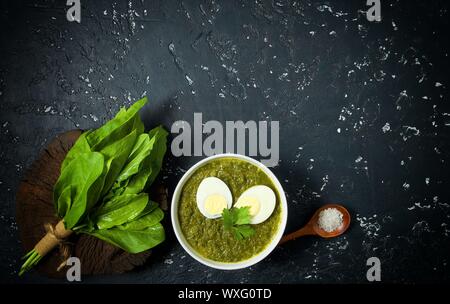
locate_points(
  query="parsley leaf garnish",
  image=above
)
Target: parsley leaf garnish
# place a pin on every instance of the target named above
(236, 221)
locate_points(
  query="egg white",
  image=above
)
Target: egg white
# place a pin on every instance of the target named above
(213, 187)
(261, 200)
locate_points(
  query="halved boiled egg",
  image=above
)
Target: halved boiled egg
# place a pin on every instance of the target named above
(213, 195)
(261, 202)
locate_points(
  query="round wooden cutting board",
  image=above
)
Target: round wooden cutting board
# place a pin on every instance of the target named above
(34, 208)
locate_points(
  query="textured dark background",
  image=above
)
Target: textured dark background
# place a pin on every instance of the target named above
(363, 110)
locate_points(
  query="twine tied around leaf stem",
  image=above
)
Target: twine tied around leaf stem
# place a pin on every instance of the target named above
(55, 236)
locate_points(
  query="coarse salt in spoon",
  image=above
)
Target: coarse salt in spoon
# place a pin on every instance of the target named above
(328, 221)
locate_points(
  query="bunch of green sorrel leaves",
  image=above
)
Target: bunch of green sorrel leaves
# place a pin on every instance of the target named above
(101, 189)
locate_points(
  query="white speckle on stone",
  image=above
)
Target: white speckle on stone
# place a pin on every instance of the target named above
(386, 128)
(406, 186)
(438, 84)
(94, 118)
(189, 80)
(394, 26)
(283, 76)
(48, 109)
(421, 227)
(344, 246)
(358, 159)
(422, 79)
(413, 129)
(370, 225)
(338, 130)
(105, 12)
(325, 182)
(168, 261)
(172, 47)
(427, 180)
(322, 8)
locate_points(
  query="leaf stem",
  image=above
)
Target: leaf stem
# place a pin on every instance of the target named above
(32, 258)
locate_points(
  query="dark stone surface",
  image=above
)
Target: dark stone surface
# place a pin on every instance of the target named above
(331, 78)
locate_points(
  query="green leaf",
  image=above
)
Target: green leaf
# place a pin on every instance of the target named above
(145, 221)
(243, 231)
(141, 150)
(84, 175)
(114, 203)
(118, 127)
(158, 152)
(151, 165)
(116, 155)
(228, 219)
(236, 216)
(149, 208)
(236, 220)
(121, 210)
(80, 146)
(64, 200)
(133, 241)
(242, 216)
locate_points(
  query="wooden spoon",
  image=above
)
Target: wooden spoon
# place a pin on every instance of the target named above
(312, 228)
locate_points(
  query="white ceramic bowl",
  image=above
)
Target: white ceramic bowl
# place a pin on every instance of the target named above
(221, 265)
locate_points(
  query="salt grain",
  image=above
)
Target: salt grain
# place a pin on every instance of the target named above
(330, 219)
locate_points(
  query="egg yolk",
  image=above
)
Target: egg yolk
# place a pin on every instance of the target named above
(215, 203)
(251, 202)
